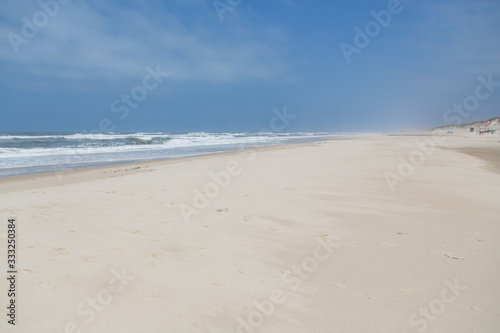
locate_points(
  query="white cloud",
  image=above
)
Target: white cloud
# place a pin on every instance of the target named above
(98, 41)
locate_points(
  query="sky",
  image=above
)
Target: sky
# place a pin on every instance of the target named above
(232, 65)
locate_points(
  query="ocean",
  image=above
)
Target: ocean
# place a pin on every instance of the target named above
(29, 153)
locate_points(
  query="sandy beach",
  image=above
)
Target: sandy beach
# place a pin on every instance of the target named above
(358, 234)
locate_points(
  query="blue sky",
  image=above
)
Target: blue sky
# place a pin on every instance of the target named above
(229, 75)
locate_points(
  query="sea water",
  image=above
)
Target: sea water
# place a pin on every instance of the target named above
(28, 153)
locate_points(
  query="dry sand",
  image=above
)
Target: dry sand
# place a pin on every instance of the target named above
(304, 238)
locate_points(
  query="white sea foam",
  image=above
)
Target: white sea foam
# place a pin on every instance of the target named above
(23, 150)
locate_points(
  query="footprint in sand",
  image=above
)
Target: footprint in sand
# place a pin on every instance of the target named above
(373, 298)
(29, 249)
(405, 290)
(61, 251)
(478, 309)
(340, 285)
(452, 256)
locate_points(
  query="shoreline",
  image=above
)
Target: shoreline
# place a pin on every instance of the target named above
(72, 176)
(129, 162)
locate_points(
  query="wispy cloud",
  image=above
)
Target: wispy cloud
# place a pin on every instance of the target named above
(90, 40)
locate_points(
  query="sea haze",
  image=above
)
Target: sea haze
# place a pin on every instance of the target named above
(28, 153)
